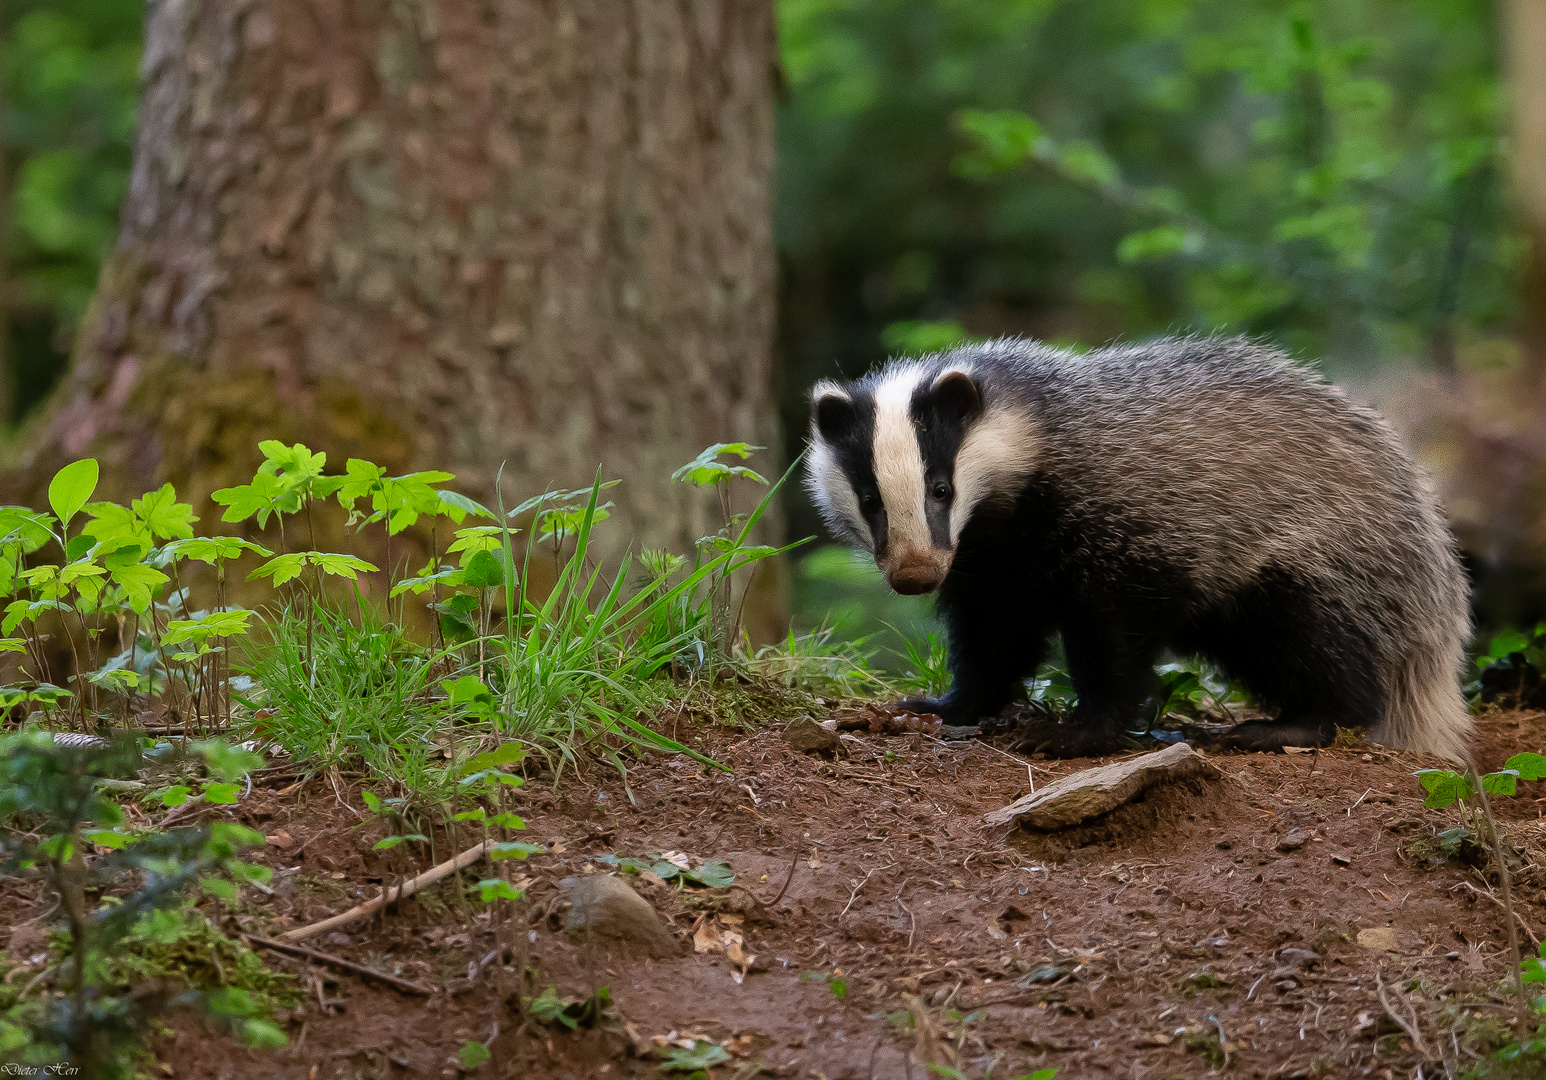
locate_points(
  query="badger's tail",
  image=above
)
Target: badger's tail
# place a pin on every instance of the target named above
(1424, 709)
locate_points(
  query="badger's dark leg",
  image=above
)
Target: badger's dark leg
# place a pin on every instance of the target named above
(994, 645)
(1112, 668)
(1299, 649)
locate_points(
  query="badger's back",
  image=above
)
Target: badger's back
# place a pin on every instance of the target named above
(1223, 460)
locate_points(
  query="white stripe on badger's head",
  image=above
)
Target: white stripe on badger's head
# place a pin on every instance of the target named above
(898, 461)
(902, 459)
(999, 453)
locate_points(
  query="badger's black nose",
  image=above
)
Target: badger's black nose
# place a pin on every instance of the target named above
(914, 580)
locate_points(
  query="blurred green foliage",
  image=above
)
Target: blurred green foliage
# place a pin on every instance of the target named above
(1325, 174)
(71, 84)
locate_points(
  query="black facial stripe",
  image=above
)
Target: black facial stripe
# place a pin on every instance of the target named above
(940, 435)
(855, 454)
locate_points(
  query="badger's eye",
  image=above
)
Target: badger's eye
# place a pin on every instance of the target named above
(869, 502)
(941, 490)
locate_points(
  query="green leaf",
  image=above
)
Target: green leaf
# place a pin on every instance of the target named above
(512, 850)
(458, 507)
(344, 566)
(1529, 766)
(294, 466)
(476, 538)
(1502, 782)
(264, 496)
(360, 480)
(714, 873)
(231, 622)
(221, 794)
(391, 842)
(211, 549)
(504, 754)
(477, 813)
(108, 838)
(281, 569)
(706, 468)
(447, 579)
(465, 691)
(70, 489)
(483, 571)
(1158, 243)
(284, 568)
(472, 1055)
(227, 761)
(175, 796)
(918, 337)
(1003, 140)
(1507, 643)
(163, 515)
(26, 527)
(491, 889)
(140, 583)
(219, 888)
(704, 1054)
(1444, 787)
(13, 644)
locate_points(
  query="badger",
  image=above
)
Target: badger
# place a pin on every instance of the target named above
(1205, 496)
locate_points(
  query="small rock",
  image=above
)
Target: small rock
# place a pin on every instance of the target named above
(1285, 985)
(1342, 860)
(1097, 791)
(607, 906)
(809, 737)
(1302, 959)
(1296, 839)
(1152, 1039)
(1382, 938)
(336, 938)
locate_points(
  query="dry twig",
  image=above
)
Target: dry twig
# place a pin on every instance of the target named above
(407, 986)
(407, 888)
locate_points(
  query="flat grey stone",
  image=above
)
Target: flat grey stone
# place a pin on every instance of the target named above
(807, 736)
(1094, 792)
(607, 906)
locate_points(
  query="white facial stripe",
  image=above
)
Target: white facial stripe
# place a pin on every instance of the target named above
(899, 461)
(828, 388)
(834, 495)
(999, 452)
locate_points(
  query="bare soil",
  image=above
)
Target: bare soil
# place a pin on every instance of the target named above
(1158, 941)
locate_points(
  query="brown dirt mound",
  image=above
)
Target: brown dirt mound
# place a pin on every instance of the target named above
(1171, 938)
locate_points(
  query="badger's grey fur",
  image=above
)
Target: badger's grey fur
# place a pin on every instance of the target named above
(1201, 495)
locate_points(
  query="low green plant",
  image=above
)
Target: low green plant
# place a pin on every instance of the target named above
(549, 1007)
(674, 866)
(58, 827)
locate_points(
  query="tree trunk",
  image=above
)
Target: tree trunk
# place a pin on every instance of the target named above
(1524, 39)
(439, 234)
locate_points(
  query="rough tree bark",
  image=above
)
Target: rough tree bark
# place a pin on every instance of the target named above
(438, 233)
(1524, 39)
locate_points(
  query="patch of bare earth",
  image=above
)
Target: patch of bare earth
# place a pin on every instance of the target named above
(1288, 918)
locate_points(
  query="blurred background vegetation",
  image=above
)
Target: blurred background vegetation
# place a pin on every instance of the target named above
(1330, 176)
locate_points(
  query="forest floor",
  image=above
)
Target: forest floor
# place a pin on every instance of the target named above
(1185, 934)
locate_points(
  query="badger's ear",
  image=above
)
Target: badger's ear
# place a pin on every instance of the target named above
(836, 417)
(956, 395)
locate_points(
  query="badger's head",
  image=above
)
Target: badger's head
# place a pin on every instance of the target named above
(901, 458)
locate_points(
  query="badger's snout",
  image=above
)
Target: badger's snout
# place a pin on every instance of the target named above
(915, 573)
